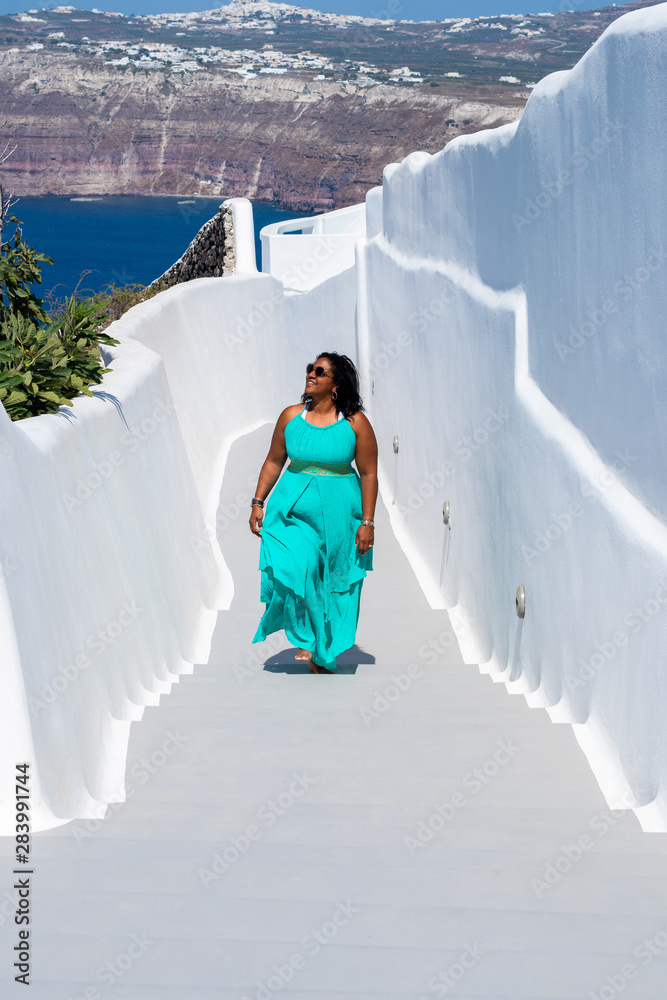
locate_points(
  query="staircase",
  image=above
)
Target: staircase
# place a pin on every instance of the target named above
(404, 829)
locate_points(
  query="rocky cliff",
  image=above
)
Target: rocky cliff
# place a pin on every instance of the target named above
(306, 144)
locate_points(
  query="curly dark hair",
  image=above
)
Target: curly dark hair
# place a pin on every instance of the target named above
(347, 381)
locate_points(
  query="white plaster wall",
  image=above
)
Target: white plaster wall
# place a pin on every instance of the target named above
(111, 571)
(302, 253)
(104, 598)
(320, 320)
(302, 261)
(560, 485)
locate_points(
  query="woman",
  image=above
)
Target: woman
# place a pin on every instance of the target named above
(311, 560)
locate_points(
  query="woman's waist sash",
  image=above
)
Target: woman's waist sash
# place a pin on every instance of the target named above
(320, 468)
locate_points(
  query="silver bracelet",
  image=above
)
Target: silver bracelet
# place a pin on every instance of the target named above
(371, 524)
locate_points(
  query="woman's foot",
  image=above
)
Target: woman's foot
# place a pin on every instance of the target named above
(316, 669)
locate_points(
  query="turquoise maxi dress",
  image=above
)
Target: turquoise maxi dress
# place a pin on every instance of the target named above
(311, 571)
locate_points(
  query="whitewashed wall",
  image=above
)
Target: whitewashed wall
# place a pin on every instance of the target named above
(513, 323)
(111, 571)
(97, 614)
(324, 248)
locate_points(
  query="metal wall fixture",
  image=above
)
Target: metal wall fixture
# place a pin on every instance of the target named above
(446, 515)
(395, 468)
(520, 602)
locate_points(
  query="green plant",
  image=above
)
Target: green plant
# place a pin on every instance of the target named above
(117, 299)
(45, 361)
(19, 269)
(44, 367)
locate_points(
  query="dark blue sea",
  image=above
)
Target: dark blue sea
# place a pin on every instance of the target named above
(117, 239)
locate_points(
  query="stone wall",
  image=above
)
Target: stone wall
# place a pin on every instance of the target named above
(209, 255)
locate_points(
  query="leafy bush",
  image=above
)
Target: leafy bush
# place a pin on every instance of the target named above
(20, 268)
(47, 366)
(45, 361)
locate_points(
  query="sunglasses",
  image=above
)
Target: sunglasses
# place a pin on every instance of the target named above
(319, 371)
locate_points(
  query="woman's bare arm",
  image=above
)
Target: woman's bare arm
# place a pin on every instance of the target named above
(272, 467)
(366, 458)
